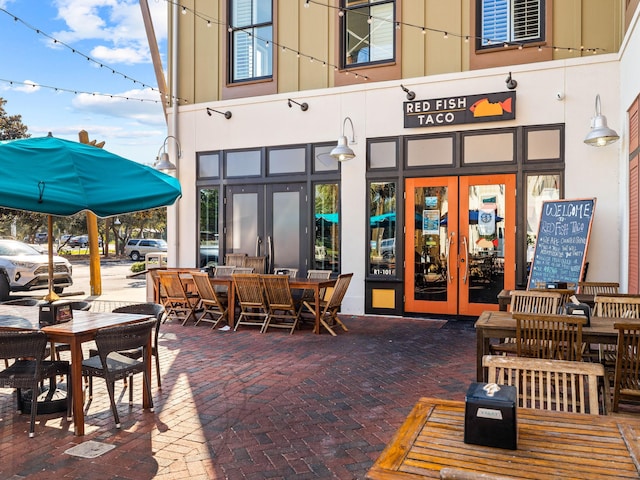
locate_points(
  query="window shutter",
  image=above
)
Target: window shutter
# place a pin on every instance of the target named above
(634, 227)
(495, 16)
(526, 19)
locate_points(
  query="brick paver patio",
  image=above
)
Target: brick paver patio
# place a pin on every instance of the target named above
(245, 405)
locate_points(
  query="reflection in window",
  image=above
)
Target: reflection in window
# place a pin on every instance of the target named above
(368, 31)
(209, 216)
(251, 26)
(382, 228)
(327, 226)
(540, 188)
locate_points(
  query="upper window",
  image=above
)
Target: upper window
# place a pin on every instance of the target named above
(368, 32)
(510, 21)
(250, 40)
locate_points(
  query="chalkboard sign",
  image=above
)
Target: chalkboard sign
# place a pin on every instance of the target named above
(563, 238)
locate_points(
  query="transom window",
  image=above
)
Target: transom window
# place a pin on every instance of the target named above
(250, 39)
(510, 21)
(368, 32)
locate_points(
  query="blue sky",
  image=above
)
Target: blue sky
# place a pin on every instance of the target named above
(108, 31)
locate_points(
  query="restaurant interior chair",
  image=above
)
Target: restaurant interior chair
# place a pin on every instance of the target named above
(559, 385)
(214, 307)
(29, 369)
(552, 337)
(595, 288)
(282, 309)
(251, 299)
(234, 259)
(156, 311)
(329, 308)
(449, 473)
(178, 303)
(259, 264)
(527, 301)
(626, 385)
(112, 365)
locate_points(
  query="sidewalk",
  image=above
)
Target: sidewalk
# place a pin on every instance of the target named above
(245, 405)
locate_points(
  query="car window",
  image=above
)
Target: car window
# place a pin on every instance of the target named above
(132, 242)
(16, 248)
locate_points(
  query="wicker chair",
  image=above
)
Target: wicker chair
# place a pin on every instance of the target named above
(214, 307)
(283, 312)
(27, 350)
(112, 365)
(158, 312)
(250, 297)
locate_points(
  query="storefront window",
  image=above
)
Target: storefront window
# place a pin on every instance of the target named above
(327, 226)
(382, 228)
(209, 221)
(540, 188)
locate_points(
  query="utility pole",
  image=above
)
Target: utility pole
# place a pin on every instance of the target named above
(92, 230)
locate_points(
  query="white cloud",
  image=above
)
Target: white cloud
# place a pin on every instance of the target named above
(116, 24)
(28, 86)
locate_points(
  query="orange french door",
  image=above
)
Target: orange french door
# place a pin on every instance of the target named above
(459, 236)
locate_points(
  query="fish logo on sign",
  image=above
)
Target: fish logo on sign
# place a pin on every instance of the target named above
(485, 108)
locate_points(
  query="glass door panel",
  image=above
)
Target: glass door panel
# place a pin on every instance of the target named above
(487, 241)
(287, 232)
(245, 206)
(431, 231)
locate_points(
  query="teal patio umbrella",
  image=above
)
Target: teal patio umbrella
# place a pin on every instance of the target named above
(61, 177)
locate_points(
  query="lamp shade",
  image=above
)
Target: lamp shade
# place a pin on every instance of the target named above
(600, 134)
(342, 151)
(164, 164)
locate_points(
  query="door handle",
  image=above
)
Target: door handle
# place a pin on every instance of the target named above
(449, 276)
(465, 260)
(269, 254)
(258, 242)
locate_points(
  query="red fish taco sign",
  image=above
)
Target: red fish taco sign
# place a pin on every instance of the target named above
(437, 112)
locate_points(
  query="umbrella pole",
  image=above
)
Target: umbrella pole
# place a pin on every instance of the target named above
(51, 296)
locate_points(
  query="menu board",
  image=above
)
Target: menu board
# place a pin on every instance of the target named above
(563, 238)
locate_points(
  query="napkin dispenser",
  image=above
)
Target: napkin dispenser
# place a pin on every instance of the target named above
(581, 309)
(490, 415)
(52, 313)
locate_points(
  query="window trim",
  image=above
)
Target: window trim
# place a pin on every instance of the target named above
(233, 29)
(510, 42)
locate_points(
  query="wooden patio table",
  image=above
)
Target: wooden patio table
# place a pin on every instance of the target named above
(82, 328)
(551, 445)
(497, 325)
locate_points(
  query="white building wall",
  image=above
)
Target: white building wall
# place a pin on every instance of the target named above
(376, 110)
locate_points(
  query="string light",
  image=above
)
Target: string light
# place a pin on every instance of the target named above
(83, 55)
(77, 92)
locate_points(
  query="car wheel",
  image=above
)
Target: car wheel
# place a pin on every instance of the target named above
(135, 256)
(4, 288)
(58, 290)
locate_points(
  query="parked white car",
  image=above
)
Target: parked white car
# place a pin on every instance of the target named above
(137, 248)
(23, 268)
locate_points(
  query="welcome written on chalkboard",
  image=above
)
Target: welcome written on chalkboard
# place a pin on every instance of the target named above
(563, 239)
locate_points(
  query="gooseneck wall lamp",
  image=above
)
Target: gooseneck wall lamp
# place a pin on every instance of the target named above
(226, 114)
(342, 151)
(163, 163)
(600, 134)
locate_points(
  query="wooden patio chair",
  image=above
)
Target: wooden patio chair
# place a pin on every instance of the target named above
(251, 299)
(243, 270)
(234, 259)
(552, 337)
(223, 270)
(159, 294)
(565, 296)
(283, 312)
(259, 264)
(595, 288)
(558, 385)
(614, 306)
(329, 308)
(178, 303)
(214, 307)
(626, 385)
(527, 301)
